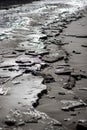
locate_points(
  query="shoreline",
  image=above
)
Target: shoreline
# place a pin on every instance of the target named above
(57, 93)
(56, 81)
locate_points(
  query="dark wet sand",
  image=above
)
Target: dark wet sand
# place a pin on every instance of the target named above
(50, 103)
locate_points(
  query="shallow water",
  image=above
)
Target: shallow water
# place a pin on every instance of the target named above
(27, 20)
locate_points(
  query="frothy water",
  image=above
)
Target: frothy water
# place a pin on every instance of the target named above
(30, 17)
(24, 24)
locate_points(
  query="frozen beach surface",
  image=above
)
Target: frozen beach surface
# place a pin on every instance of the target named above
(24, 30)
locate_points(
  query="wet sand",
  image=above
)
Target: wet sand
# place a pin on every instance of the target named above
(51, 103)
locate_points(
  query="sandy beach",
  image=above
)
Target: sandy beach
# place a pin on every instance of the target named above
(44, 87)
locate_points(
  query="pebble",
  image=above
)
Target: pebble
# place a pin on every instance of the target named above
(84, 45)
(81, 126)
(48, 79)
(51, 97)
(10, 122)
(73, 114)
(67, 119)
(72, 105)
(62, 93)
(70, 83)
(82, 121)
(76, 52)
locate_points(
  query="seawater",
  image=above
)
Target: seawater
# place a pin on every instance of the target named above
(28, 19)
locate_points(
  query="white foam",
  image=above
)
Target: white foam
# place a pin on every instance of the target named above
(21, 17)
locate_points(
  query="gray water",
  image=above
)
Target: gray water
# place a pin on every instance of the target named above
(25, 22)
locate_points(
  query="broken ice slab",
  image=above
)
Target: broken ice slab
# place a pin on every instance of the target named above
(9, 68)
(14, 67)
(3, 91)
(27, 59)
(11, 74)
(11, 55)
(79, 75)
(64, 70)
(48, 79)
(10, 62)
(70, 83)
(4, 79)
(31, 46)
(3, 36)
(51, 58)
(71, 105)
(18, 117)
(30, 63)
(36, 53)
(76, 52)
(20, 49)
(84, 89)
(34, 68)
